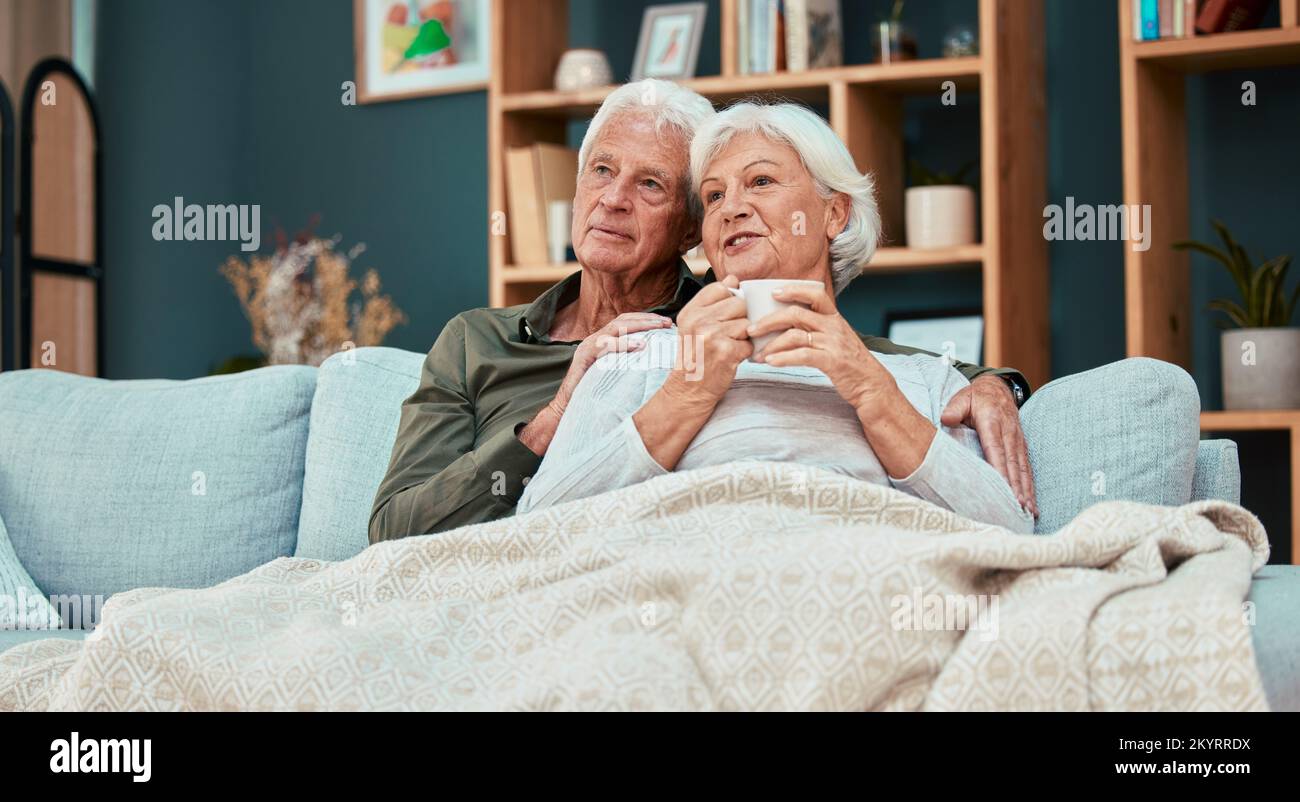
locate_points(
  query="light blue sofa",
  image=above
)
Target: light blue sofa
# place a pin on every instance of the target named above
(106, 486)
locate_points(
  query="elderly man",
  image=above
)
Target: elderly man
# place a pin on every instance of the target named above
(497, 381)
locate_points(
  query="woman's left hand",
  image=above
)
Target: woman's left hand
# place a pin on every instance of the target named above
(821, 338)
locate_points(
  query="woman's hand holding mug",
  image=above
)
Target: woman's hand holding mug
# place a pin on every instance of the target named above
(814, 334)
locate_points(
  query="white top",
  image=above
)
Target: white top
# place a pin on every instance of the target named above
(770, 413)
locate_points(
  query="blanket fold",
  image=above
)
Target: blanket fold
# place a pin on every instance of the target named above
(737, 587)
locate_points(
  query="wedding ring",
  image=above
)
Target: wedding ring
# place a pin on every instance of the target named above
(809, 333)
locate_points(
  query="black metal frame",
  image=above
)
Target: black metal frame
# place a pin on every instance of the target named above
(29, 263)
(9, 306)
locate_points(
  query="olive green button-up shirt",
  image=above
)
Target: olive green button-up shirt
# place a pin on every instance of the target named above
(457, 459)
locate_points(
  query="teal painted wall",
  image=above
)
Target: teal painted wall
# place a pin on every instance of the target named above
(172, 87)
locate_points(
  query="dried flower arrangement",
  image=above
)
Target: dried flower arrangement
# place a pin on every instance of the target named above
(298, 302)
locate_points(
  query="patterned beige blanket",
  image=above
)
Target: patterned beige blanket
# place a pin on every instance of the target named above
(745, 586)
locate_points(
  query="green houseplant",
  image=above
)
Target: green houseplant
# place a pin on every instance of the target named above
(1259, 348)
(939, 208)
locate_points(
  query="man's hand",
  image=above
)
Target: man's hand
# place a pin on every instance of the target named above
(611, 338)
(988, 407)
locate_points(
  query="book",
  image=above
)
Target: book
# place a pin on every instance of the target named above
(766, 36)
(742, 37)
(1219, 16)
(1150, 20)
(813, 34)
(1165, 12)
(536, 175)
(777, 10)
(1189, 17)
(526, 223)
(1176, 26)
(796, 35)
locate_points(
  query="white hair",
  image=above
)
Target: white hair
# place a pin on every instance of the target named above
(670, 105)
(825, 158)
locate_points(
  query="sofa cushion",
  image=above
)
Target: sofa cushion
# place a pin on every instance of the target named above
(112, 485)
(1218, 473)
(354, 419)
(1128, 430)
(8, 640)
(22, 605)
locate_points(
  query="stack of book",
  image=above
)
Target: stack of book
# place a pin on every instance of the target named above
(535, 176)
(788, 35)
(1174, 19)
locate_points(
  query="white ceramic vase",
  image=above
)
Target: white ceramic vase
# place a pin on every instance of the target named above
(940, 216)
(582, 69)
(1261, 368)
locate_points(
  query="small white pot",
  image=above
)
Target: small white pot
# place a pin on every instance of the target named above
(582, 69)
(940, 217)
(1261, 368)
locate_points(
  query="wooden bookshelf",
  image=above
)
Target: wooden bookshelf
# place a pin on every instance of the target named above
(1157, 296)
(1157, 292)
(865, 103)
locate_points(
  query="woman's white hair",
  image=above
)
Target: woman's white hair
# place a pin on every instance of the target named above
(825, 158)
(670, 105)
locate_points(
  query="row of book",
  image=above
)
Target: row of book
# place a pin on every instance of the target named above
(1175, 19)
(789, 35)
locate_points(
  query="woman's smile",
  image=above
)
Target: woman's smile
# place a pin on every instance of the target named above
(740, 242)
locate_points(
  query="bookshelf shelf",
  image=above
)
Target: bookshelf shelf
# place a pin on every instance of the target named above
(1286, 421)
(887, 260)
(1269, 47)
(812, 86)
(902, 260)
(1249, 420)
(865, 106)
(549, 274)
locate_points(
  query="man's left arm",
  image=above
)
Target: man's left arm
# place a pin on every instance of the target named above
(990, 406)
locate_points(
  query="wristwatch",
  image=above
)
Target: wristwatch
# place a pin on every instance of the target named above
(1017, 391)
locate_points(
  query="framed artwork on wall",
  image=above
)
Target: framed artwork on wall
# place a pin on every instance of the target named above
(669, 44)
(413, 48)
(957, 333)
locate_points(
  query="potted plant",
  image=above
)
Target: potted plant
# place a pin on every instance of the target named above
(1261, 357)
(939, 208)
(301, 302)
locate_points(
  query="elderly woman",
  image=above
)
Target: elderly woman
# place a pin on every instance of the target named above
(782, 200)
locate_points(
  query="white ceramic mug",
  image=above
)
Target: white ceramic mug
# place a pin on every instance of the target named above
(759, 302)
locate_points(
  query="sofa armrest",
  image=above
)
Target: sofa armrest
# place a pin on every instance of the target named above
(1218, 474)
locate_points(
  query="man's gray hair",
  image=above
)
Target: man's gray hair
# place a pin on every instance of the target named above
(825, 158)
(670, 105)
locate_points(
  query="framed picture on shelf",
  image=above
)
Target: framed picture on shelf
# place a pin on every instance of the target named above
(412, 48)
(669, 44)
(958, 333)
